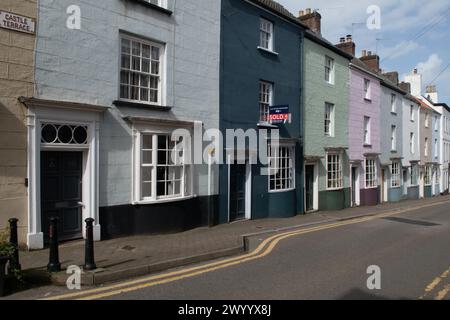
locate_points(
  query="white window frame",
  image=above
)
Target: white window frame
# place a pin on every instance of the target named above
(428, 176)
(414, 175)
(265, 100)
(395, 175)
(436, 146)
(160, 77)
(393, 138)
(427, 120)
(334, 168)
(282, 175)
(367, 128)
(266, 35)
(393, 103)
(159, 3)
(367, 89)
(371, 173)
(412, 114)
(186, 178)
(329, 119)
(329, 70)
(412, 142)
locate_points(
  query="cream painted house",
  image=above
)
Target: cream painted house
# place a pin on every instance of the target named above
(17, 42)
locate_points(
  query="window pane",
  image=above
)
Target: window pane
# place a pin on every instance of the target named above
(126, 46)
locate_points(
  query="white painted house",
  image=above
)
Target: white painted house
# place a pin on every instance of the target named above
(108, 95)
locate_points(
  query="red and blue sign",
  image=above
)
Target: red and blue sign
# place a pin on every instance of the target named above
(279, 114)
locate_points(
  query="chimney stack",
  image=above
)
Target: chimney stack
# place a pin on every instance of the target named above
(432, 94)
(371, 60)
(347, 45)
(415, 79)
(405, 86)
(312, 19)
(392, 76)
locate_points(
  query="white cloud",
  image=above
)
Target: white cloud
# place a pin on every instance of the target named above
(430, 68)
(401, 49)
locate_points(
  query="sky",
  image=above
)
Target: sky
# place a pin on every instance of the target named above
(411, 34)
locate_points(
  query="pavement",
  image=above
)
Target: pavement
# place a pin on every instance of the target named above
(130, 257)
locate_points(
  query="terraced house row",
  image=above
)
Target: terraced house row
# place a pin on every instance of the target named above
(89, 106)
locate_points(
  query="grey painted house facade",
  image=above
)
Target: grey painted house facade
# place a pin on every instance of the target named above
(411, 146)
(391, 182)
(132, 74)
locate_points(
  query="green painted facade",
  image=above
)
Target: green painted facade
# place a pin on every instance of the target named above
(334, 200)
(317, 92)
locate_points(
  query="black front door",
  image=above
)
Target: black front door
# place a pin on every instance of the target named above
(61, 193)
(237, 192)
(309, 187)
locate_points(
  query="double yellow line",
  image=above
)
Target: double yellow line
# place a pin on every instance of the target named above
(440, 295)
(264, 249)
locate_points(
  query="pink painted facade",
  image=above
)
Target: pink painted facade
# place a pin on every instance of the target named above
(359, 108)
(363, 105)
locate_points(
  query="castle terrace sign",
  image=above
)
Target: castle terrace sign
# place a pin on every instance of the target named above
(16, 22)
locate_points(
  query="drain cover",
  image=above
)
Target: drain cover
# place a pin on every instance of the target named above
(415, 222)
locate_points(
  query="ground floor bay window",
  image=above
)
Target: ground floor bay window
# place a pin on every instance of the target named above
(334, 171)
(281, 168)
(428, 175)
(395, 175)
(162, 167)
(371, 173)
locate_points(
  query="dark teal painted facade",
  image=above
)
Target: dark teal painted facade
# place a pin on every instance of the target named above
(243, 65)
(334, 200)
(428, 192)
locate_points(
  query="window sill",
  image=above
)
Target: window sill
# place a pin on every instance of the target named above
(368, 100)
(153, 6)
(282, 191)
(266, 125)
(136, 104)
(331, 84)
(169, 200)
(393, 113)
(335, 189)
(267, 50)
(367, 145)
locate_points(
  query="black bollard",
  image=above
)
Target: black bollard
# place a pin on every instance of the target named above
(53, 265)
(89, 262)
(13, 239)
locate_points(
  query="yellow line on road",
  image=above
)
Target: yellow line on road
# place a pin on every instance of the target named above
(433, 285)
(441, 294)
(258, 253)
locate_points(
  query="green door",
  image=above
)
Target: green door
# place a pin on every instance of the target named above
(237, 192)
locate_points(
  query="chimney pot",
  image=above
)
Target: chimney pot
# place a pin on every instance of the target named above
(342, 40)
(301, 13)
(415, 71)
(364, 53)
(312, 20)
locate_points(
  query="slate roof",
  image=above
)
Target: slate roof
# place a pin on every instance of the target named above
(275, 6)
(324, 42)
(278, 9)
